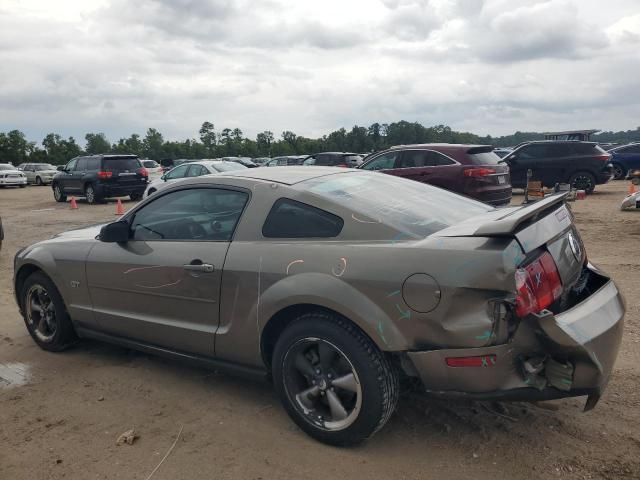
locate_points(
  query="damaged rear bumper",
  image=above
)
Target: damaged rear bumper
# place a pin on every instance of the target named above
(550, 356)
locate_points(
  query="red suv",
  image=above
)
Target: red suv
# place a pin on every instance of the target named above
(472, 170)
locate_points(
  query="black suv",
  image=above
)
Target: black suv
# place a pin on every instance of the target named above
(97, 177)
(581, 164)
(334, 159)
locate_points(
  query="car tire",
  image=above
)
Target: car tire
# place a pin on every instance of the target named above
(618, 171)
(45, 314)
(58, 193)
(583, 181)
(90, 194)
(136, 196)
(333, 381)
(39, 181)
(22, 186)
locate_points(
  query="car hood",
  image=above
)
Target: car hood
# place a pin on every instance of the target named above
(11, 171)
(85, 233)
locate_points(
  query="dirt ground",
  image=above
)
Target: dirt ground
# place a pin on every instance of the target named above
(60, 414)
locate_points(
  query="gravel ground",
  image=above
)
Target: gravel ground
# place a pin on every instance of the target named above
(60, 414)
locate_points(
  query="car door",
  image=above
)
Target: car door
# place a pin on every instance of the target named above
(627, 157)
(30, 172)
(65, 179)
(418, 165)
(525, 158)
(162, 287)
(446, 173)
(557, 164)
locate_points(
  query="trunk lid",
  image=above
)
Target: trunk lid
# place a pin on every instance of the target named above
(544, 225)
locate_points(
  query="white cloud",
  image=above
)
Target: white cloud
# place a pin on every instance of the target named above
(490, 66)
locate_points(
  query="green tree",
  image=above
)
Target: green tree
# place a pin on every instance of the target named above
(264, 141)
(208, 137)
(97, 143)
(152, 144)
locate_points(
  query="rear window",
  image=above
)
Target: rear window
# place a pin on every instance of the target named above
(120, 164)
(483, 156)
(413, 208)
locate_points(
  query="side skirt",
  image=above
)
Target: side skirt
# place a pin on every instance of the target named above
(252, 373)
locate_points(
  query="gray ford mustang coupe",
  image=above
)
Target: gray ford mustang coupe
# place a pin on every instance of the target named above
(336, 284)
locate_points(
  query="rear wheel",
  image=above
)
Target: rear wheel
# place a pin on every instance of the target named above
(58, 193)
(38, 181)
(45, 314)
(583, 181)
(90, 194)
(334, 382)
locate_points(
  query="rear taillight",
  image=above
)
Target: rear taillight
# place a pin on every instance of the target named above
(102, 175)
(538, 285)
(478, 172)
(143, 171)
(605, 158)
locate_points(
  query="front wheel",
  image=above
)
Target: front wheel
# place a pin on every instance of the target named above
(45, 315)
(58, 193)
(583, 181)
(334, 382)
(38, 181)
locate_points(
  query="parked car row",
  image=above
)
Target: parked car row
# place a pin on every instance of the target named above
(10, 176)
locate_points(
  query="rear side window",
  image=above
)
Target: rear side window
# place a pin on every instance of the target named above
(121, 164)
(93, 164)
(559, 150)
(418, 158)
(150, 164)
(586, 149)
(291, 219)
(81, 165)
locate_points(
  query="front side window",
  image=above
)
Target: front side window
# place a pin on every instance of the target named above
(72, 164)
(178, 172)
(291, 219)
(197, 214)
(385, 161)
(533, 151)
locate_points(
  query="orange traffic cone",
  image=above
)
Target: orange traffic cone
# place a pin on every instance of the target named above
(119, 208)
(74, 204)
(632, 189)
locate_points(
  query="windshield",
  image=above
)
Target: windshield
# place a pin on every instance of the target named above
(414, 208)
(227, 166)
(44, 167)
(7, 167)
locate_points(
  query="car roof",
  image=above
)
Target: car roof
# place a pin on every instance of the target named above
(453, 146)
(572, 142)
(287, 175)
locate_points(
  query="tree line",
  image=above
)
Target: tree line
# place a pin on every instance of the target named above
(213, 143)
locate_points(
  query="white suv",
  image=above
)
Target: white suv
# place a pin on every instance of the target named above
(11, 177)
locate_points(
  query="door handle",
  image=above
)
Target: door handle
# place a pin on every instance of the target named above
(199, 267)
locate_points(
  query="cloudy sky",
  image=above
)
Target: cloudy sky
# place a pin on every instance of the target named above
(487, 66)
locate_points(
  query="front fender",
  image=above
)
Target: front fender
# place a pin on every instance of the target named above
(329, 291)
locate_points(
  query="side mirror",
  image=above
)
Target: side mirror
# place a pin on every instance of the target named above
(116, 232)
(163, 178)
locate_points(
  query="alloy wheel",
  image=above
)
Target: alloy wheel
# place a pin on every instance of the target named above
(41, 313)
(90, 195)
(322, 384)
(583, 182)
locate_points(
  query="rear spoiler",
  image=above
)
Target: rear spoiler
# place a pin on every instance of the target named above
(507, 222)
